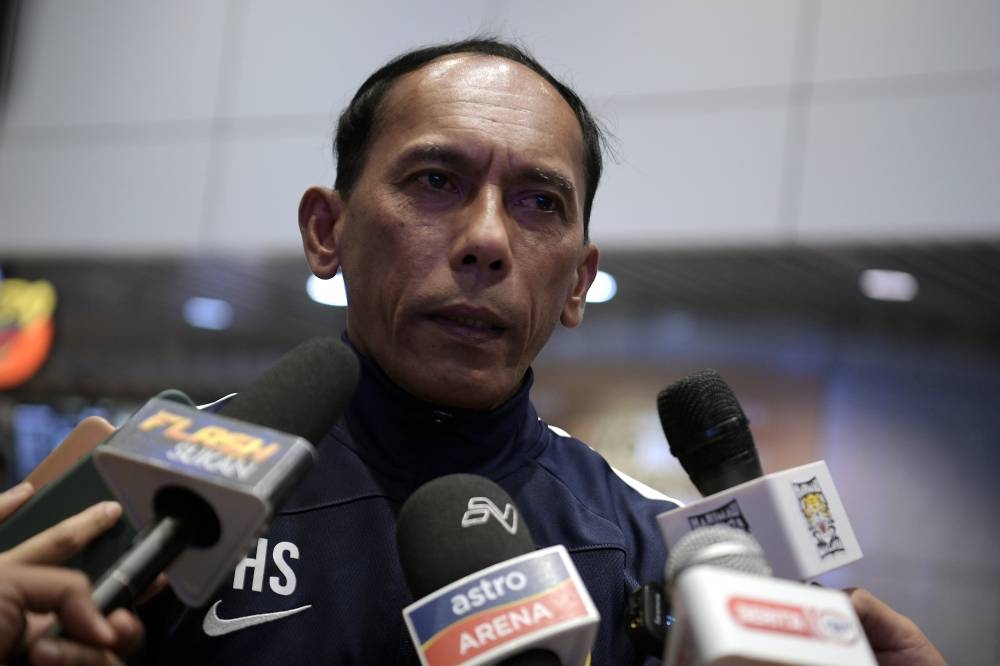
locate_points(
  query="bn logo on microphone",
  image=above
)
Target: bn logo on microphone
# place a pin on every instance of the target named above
(481, 508)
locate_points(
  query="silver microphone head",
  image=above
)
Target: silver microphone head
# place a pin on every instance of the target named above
(720, 546)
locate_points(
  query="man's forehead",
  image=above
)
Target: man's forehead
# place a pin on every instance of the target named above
(474, 77)
(482, 70)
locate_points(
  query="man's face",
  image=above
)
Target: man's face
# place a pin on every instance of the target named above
(462, 241)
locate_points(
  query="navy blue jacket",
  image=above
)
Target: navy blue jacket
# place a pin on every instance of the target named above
(325, 586)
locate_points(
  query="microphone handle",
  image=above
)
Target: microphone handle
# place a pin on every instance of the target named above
(736, 470)
(536, 657)
(138, 567)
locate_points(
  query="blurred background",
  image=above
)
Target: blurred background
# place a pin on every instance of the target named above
(804, 195)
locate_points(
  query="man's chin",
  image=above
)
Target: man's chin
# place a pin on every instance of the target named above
(478, 391)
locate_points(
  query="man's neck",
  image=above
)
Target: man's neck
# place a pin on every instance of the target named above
(411, 441)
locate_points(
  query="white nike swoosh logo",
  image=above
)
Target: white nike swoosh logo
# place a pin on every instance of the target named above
(217, 626)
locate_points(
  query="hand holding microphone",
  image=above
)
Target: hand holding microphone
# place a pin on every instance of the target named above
(33, 596)
(89, 637)
(895, 638)
(66, 538)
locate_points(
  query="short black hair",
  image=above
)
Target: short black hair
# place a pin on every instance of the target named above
(357, 122)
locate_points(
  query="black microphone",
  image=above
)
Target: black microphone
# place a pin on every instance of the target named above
(485, 595)
(708, 432)
(795, 514)
(203, 485)
(710, 435)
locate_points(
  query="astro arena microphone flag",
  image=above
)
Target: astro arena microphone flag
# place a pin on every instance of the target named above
(500, 611)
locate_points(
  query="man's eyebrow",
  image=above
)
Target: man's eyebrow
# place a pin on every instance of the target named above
(550, 177)
(432, 152)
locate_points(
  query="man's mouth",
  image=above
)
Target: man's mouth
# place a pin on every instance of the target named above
(479, 324)
(471, 323)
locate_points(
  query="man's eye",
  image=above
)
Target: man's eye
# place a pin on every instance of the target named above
(436, 180)
(541, 202)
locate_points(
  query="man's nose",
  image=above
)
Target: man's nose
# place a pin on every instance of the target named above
(483, 242)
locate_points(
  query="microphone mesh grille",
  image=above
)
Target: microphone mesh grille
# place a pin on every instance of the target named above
(692, 406)
(304, 393)
(438, 546)
(718, 545)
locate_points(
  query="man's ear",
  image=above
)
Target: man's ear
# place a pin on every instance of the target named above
(319, 212)
(586, 271)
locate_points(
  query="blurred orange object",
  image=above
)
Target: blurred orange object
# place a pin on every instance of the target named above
(26, 329)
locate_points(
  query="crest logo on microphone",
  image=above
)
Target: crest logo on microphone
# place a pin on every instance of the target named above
(481, 508)
(816, 510)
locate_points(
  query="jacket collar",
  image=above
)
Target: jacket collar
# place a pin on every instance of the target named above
(409, 441)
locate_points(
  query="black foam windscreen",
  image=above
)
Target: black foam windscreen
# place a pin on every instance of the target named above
(303, 393)
(707, 431)
(454, 526)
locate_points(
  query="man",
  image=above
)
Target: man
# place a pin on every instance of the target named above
(465, 178)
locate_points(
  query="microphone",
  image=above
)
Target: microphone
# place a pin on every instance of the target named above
(796, 514)
(202, 486)
(708, 432)
(710, 435)
(66, 482)
(485, 595)
(729, 610)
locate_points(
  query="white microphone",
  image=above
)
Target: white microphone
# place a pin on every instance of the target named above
(729, 610)
(485, 596)
(796, 515)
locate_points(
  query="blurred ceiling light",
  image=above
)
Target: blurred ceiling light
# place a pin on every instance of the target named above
(604, 288)
(328, 292)
(886, 285)
(210, 313)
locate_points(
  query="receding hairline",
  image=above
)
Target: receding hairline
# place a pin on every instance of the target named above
(380, 116)
(356, 123)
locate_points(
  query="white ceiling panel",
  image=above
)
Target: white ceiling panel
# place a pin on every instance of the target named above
(903, 169)
(648, 47)
(864, 39)
(698, 178)
(115, 61)
(898, 139)
(259, 196)
(310, 56)
(95, 199)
